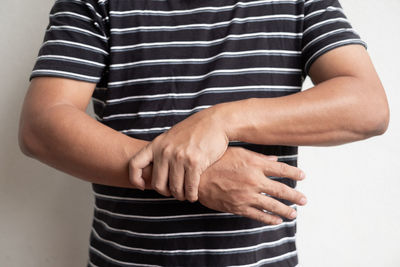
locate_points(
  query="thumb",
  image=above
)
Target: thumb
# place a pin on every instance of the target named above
(139, 161)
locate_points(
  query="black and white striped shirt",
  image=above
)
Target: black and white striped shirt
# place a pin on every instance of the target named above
(156, 62)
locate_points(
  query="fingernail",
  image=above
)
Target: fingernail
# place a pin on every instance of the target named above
(302, 175)
(303, 201)
(293, 214)
(278, 221)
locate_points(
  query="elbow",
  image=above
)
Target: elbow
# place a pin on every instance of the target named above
(26, 141)
(381, 124)
(376, 120)
(372, 109)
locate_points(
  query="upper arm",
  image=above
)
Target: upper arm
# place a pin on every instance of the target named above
(331, 48)
(45, 92)
(72, 58)
(361, 85)
(350, 61)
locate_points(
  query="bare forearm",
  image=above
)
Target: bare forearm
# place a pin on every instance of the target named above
(334, 112)
(69, 140)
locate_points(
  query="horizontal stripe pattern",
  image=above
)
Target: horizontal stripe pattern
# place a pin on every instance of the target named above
(194, 251)
(206, 60)
(190, 11)
(325, 28)
(131, 236)
(203, 26)
(156, 62)
(256, 230)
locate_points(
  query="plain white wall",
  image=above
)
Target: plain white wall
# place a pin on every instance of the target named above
(352, 218)
(44, 214)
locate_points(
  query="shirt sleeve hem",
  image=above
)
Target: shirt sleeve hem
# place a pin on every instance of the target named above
(328, 48)
(64, 74)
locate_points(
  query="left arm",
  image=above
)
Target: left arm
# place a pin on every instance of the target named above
(347, 104)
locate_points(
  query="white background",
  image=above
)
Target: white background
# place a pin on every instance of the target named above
(352, 218)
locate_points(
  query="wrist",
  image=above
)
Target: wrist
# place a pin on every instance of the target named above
(232, 117)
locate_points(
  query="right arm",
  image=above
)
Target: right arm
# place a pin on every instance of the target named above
(55, 129)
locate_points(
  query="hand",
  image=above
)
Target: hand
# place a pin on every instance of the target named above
(180, 155)
(235, 182)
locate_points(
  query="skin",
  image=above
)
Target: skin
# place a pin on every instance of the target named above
(347, 104)
(238, 189)
(55, 130)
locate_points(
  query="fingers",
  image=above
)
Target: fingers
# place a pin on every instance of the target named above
(275, 206)
(136, 165)
(176, 181)
(192, 181)
(282, 191)
(262, 156)
(261, 216)
(274, 168)
(281, 169)
(159, 180)
(272, 158)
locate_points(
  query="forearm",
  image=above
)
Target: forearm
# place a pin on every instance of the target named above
(69, 140)
(334, 112)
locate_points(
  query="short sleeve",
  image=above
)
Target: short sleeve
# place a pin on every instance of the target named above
(75, 44)
(325, 27)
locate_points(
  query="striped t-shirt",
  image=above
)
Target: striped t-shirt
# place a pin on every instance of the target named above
(156, 62)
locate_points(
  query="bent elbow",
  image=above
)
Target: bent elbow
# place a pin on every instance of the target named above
(377, 121)
(26, 141)
(23, 142)
(381, 125)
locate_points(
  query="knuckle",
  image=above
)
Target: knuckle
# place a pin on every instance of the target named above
(265, 184)
(261, 217)
(239, 210)
(166, 151)
(257, 200)
(274, 207)
(180, 155)
(158, 138)
(291, 194)
(132, 164)
(254, 181)
(276, 192)
(193, 160)
(282, 169)
(175, 190)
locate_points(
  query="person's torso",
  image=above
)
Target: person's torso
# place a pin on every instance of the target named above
(169, 59)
